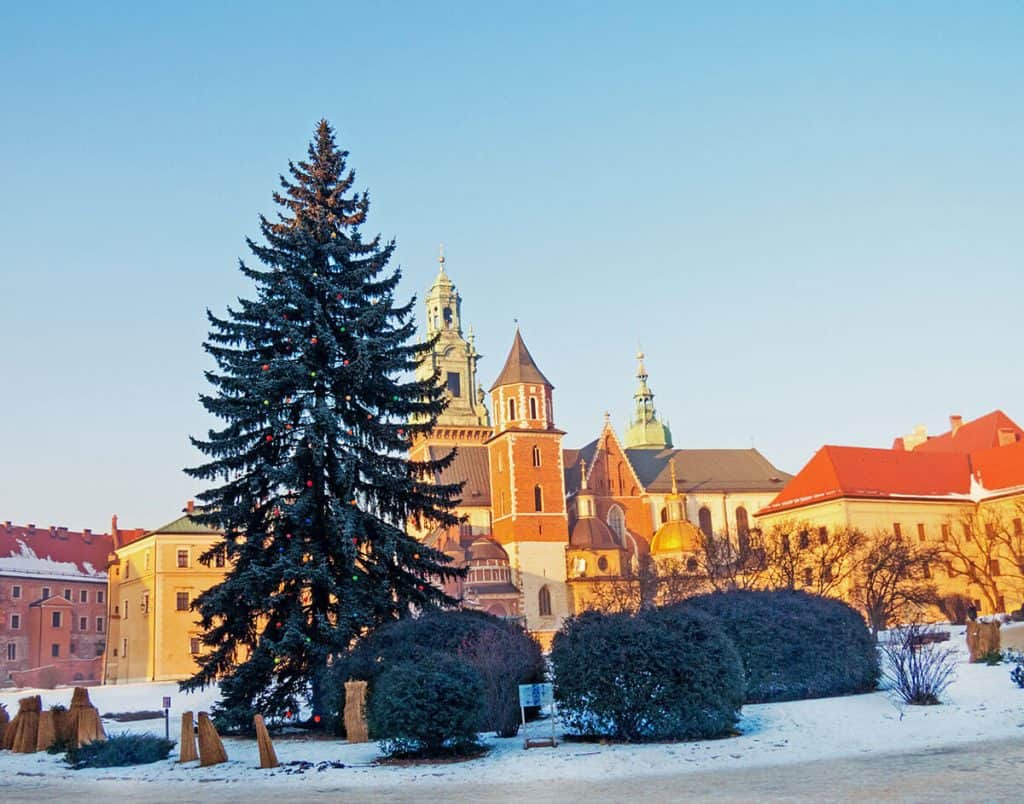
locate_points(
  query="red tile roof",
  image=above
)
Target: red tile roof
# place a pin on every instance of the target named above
(520, 366)
(1000, 467)
(836, 472)
(977, 434)
(53, 552)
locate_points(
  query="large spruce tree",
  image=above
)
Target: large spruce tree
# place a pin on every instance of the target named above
(315, 385)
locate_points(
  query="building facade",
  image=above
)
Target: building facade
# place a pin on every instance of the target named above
(154, 577)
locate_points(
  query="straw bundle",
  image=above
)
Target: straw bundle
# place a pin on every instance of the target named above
(47, 733)
(211, 749)
(268, 756)
(355, 712)
(187, 747)
(83, 719)
(26, 725)
(4, 720)
(62, 724)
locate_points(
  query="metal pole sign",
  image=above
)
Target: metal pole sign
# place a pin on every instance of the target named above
(167, 717)
(538, 695)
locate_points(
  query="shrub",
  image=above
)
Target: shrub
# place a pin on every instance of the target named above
(918, 670)
(794, 645)
(429, 708)
(991, 658)
(501, 652)
(1017, 673)
(658, 675)
(118, 750)
(954, 608)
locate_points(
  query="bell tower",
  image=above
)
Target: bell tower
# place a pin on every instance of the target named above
(528, 489)
(454, 358)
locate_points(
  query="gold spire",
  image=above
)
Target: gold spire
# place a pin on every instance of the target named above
(672, 468)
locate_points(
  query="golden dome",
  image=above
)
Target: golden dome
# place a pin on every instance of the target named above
(676, 537)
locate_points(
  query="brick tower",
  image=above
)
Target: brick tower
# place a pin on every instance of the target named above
(528, 489)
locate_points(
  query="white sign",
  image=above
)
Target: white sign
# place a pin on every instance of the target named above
(536, 695)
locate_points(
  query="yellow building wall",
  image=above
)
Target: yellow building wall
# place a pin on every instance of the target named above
(150, 638)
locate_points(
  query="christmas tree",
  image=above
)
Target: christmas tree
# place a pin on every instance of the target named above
(315, 385)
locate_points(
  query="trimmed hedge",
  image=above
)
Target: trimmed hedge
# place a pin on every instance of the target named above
(501, 652)
(794, 645)
(427, 708)
(658, 675)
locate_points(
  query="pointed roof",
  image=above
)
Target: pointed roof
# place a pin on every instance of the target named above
(520, 367)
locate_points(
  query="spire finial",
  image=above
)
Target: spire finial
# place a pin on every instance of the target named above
(583, 475)
(440, 258)
(672, 469)
(607, 417)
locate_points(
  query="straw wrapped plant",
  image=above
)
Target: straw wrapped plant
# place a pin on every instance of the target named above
(187, 747)
(268, 756)
(211, 748)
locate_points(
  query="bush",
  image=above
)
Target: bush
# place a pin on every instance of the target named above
(429, 708)
(794, 645)
(501, 652)
(918, 670)
(1017, 673)
(658, 675)
(954, 608)
(119, 750)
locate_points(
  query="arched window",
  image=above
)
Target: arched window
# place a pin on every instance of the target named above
(704, 519)
(664, 515)
(447, 317)
(743, 529)
(533, 407)
(544, 601)
(511, 409)
(617, 522)
(536, 456)
(538, 498)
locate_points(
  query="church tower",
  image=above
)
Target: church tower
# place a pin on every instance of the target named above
(528, 489)
(454, 358)
(645, 431)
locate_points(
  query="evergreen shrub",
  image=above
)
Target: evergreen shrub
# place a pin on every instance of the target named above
(502, 653)
(428, 707)
(667, 674)
(794, 645)
(119, 750)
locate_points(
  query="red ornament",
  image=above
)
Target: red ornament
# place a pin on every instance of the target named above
(309, 484)
(338, 296)
(419, 586)
(355, 541)
(270, 438)
(288, 714)
(313, 340)
(287, 427)
(266, 367)
(316, 718)
(344, 362)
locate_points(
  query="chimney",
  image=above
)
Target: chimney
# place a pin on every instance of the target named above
(113, 525)
(956, 421)
(87, 535)
(1007, 436)
(31, 527)
(190, 506)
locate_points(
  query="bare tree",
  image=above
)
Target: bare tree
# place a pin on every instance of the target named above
(972, 550)
(917, 668)
(797, 555)
(892, 580)
(648, 582)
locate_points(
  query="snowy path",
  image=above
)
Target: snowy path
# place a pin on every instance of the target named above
(985, 771)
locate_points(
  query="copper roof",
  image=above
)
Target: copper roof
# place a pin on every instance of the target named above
(520, 366)
(470, 465)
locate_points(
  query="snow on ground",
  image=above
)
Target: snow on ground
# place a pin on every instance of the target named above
(982, 704)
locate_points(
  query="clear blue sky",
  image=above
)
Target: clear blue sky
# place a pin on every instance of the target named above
(811, 215)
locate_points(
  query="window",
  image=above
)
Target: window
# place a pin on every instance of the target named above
(102, 646)
(193, 645)
(993, 568)
(83, 596)
(511, 409)
(99, 625)
(691, 565)
(617, 522)
(15, 622)
(218, 559)
(182, 559)
(1018, 527)
(538, 498)
(785, 542)
(55, 619)
(67, 594)
(1000, 603)
(926, 570)
(181, 601)
(83, 623)
(46, 592)
(805, 540)
(55, 650)
(742, 524)
(664, 515)
(544, 601)
(124, 646)
(145, 603)
(12, 652)
(822, 535)
(447, 317)
(126, 608)
(990, 529)
(100, 597)
(704, 520)
(921, 535)
(897, 530)
(808, 576)
(533, 407)
(16, 592)
(945, 533)
(536, 456)
(454, 383)
(147, 560)
(602, 564)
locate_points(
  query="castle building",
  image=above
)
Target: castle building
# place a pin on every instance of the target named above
(154, 577)
(961, 492)
(543, 525)
(53, 604)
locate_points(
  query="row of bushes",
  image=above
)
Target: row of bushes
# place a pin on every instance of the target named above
(678, 672)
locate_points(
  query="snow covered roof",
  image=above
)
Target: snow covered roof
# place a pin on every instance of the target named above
(31, 552)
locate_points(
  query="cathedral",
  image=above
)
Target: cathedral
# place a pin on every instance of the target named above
(543, 525)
